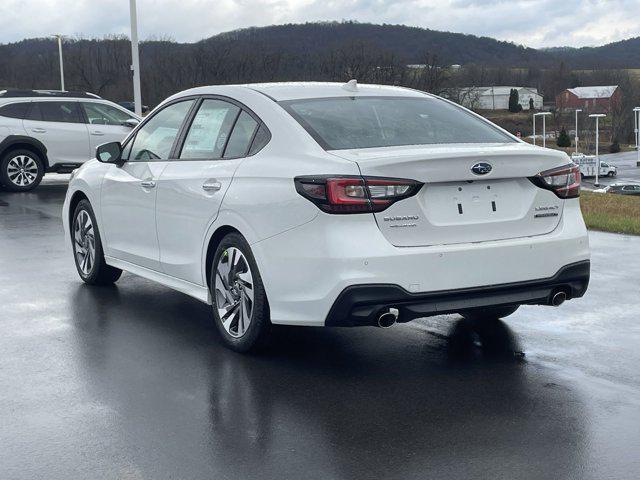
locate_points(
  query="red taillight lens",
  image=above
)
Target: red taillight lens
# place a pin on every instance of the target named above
(350, 194)
(563, 181)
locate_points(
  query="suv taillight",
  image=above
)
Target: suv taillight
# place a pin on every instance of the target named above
(563, 181)
(353, 194)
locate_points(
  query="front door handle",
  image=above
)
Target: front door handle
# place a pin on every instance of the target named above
(97, 133)
(211, 185)
(38, 130)
(147, 184)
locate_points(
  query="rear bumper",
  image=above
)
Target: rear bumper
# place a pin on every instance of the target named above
(306, 269)
(360, 305)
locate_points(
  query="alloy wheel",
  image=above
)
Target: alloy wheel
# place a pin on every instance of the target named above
(234, 292)
(84, 242)
(22, 170)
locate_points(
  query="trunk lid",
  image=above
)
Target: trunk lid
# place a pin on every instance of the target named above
(456, 205)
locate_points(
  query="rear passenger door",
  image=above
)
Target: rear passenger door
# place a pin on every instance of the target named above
(60, 126)
(191, 188)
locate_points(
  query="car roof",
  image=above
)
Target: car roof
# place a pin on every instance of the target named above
(300, 90)
(17, 93)
(282, 91)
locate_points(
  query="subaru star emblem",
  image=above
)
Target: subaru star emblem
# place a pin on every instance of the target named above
(481, 168)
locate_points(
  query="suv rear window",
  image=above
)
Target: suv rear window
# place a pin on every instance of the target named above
(368, 122)
(65, 112)
(14, 110)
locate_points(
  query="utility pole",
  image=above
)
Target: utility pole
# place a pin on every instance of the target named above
(534, 128)
(59, 37)
(577, 110)
(135, 59)
(636, 118)
(544, 126)
(597, 116)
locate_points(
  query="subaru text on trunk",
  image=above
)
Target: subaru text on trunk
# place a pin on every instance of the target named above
(328, 204)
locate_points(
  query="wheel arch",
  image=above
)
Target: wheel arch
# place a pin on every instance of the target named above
(214, 241)
(14, 142)
(76, 198)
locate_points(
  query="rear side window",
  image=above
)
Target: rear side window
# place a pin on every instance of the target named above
(34, 113)
(14, 110)
(209, 130)
(260, 140)
(63, 112)
(368, 122)
(241, 136)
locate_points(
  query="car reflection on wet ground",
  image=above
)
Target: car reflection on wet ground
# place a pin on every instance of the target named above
(131, 381)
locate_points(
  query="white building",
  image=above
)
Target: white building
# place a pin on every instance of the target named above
(496, 98)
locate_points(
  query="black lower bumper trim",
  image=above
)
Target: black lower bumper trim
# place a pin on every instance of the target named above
(362, 304)
(64, 167)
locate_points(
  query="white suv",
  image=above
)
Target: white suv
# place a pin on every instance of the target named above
(328, 204)
(48, 131)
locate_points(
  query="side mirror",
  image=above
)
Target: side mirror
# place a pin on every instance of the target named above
(131, 122)
(109, 152)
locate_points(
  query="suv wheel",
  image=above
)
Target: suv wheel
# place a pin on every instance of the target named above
(21, 170)
(240, 305)
(87, 248)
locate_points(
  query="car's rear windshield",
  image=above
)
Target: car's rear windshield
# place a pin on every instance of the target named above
(368, 122)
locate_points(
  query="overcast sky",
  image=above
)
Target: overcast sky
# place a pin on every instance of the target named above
(535, 23)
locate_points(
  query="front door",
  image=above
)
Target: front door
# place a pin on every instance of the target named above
(191, 188)
(128, 194)
(106, 123)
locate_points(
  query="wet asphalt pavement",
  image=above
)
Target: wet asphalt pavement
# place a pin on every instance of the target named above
(131, 382)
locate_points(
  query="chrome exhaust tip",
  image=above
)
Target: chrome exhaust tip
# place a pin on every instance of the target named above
(558, 298)
(388, 318)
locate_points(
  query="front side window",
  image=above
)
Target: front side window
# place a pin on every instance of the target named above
(155, 138)
(14, 110)
(61, 112)
(209, 130)
(368, 122)
(100, 114)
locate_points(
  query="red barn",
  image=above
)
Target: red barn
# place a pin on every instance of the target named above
(600, 98)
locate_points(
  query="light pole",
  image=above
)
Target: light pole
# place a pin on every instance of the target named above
(597, 116)
(636, 121)
(59, 37)
(135, 59)
(577, 110)
(544, 126)
(534, 128)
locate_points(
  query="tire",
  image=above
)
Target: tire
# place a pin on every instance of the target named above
(87, 248)
(489, 313)
(21, 170)
(611, 174)
(238, 294)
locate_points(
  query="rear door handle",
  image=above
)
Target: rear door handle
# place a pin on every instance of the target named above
(147, 184)
(211, 185)
(38, 130)
(97, 133)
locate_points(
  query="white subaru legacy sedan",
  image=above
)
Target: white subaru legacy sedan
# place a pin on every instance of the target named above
(328, 204)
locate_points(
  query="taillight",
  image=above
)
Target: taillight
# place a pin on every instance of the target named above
(563, 181)
(352, 194)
